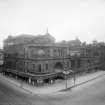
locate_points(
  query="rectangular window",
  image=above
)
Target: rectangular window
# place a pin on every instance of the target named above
(67, 64)
(39, 68)
(33, 66)
(72, 63)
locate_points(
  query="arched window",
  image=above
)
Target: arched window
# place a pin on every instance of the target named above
(39, 68)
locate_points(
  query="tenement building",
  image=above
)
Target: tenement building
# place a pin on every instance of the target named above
(1, 59)
(39, 59)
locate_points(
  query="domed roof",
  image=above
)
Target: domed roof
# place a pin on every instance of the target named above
(75, 42)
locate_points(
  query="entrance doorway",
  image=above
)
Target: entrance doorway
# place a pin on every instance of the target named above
(58, 67)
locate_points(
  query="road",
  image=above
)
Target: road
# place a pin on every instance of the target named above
(92, 93)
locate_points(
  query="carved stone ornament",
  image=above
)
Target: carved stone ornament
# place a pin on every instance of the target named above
(41, 52)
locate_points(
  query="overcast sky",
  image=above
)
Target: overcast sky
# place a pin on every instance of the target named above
(65, 19)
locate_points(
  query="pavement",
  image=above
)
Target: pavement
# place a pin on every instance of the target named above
(56, 87)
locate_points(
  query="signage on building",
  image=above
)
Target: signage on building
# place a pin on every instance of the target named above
(67, 72)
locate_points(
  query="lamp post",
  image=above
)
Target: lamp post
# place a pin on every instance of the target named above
(74, 78)
(70, 71)
(66, 73)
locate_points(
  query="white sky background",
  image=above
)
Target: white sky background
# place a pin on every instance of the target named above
(65, 19)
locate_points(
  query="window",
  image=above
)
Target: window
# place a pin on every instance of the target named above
(58, 52)
(33, 66)
(72, 63)
(79, 63)
(54, 52)
(46, 66)
(67, 64)
(39, 68)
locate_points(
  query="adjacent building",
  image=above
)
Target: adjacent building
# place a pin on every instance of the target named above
(1, 59)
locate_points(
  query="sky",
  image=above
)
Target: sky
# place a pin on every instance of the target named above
(65, 19)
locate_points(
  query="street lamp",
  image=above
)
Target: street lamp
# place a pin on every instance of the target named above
(73, 75)
(66, 73)
(74, 78)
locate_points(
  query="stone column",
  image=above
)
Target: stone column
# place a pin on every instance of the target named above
(33, 83)
(29, 80)
(51, 81)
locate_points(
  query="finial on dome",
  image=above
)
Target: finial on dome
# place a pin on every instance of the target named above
(76, 38)
(47, 31)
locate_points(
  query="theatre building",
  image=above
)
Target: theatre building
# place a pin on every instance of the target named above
(39, 59)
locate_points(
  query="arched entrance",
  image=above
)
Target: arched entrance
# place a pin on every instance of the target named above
(58, 67)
